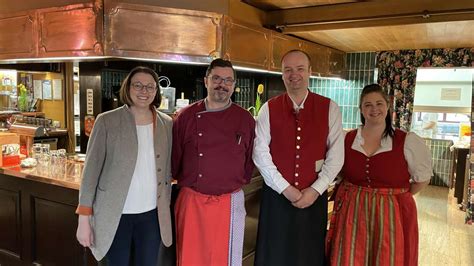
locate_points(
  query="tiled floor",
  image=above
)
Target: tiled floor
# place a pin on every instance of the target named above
(444, 238)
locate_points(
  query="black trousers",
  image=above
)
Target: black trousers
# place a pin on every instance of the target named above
(288, 236)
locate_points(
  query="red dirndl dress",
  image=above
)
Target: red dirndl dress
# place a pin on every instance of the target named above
(374, 221)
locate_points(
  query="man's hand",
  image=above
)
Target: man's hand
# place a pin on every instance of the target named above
(84, 232)
(292, 194)
(310, 195)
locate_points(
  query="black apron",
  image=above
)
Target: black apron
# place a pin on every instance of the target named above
(289, 236)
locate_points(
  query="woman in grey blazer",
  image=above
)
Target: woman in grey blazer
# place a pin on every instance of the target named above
(125, 193)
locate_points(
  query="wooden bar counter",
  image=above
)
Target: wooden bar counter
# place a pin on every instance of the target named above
(38, 223)
(37, 219)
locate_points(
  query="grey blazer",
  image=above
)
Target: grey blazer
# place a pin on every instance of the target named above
(110, 162)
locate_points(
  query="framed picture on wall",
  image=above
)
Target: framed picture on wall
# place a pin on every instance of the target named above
(57, 89)
(47, 90)
(38, 89)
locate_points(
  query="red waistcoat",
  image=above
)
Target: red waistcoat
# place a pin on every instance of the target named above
(384, 170)
(298, 140)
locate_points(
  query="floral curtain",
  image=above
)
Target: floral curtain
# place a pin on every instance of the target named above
(397, 74)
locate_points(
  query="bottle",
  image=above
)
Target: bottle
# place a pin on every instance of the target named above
(165, 102)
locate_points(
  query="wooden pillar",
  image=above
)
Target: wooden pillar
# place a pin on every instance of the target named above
(69, 106)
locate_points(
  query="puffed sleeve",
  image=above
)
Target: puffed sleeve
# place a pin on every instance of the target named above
(418, 157)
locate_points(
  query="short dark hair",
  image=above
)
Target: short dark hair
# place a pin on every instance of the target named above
(388, 119)
(125, 89)
(296, 51)
(219, 62)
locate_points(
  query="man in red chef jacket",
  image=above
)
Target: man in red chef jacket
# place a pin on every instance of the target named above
(212, 160)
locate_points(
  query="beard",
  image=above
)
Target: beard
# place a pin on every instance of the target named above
(220, 94)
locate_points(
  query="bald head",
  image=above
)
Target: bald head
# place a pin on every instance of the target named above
(297, 51)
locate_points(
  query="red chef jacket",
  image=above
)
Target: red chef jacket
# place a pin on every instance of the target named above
(212, 150)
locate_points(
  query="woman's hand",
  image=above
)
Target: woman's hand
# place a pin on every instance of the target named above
(84, 233)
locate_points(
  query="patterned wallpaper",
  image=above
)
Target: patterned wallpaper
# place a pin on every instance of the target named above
(470, 190)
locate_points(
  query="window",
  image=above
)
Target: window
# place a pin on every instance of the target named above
(456, 117)
(444, 117)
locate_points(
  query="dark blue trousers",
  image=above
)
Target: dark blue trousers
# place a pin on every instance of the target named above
(137, 240)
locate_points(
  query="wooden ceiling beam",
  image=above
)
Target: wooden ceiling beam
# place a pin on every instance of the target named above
(370, 14)
(285, 4)
(465, 15)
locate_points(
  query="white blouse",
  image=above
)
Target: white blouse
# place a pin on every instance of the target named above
(417, 154)
(143, 189)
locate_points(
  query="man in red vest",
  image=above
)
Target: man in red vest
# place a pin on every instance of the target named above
(299, 150)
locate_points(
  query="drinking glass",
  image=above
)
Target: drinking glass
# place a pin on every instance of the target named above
(54, 157)
(45, 156)
(36, 151)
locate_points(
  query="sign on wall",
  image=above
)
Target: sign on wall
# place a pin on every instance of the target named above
(90, 102)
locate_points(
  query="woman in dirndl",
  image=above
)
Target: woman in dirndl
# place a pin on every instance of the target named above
(375, 219)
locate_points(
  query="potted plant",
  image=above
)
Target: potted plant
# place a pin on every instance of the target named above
(258, 102)
(22, 98)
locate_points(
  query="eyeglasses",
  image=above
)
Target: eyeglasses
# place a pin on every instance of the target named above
(217, 80)
(139, 87)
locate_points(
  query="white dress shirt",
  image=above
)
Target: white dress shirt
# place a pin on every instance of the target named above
(416, 153)
(334, 155)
